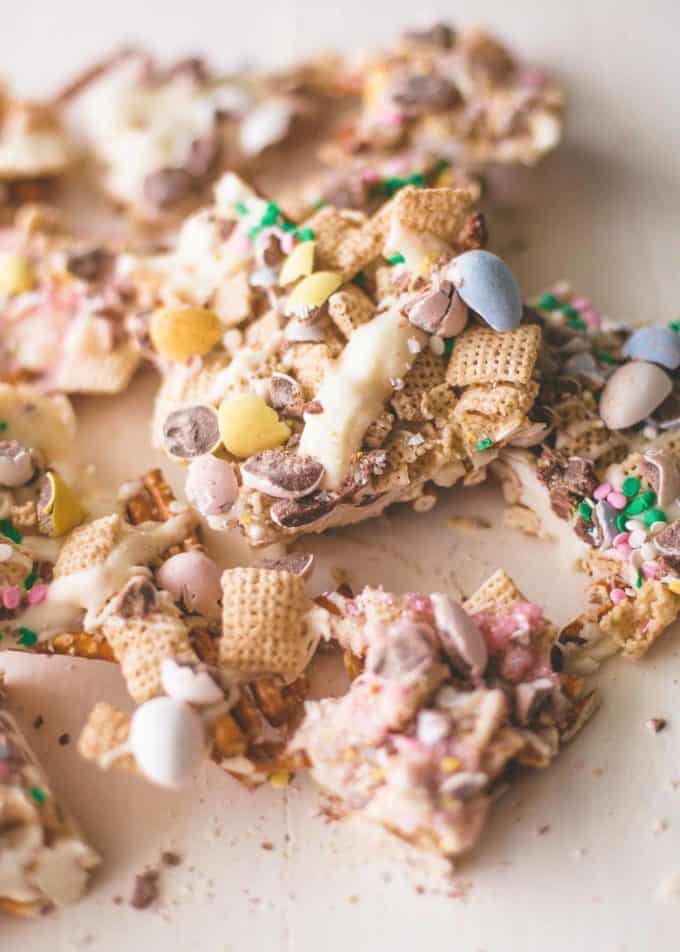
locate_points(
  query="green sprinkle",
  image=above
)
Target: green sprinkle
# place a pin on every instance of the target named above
(585, 511)
(416, 179)
(675, 326)
(3, 426)
(638, 580)
(654, 515)
(30, 581)
(288, 226)
(305, 234)
(449, 344)
(319, 203)
(254, 232)
(484, 444)
(392, 185)
(270, 215)
(360, 279)
(241, 209)
(7, 529)
(576, 324)
(38, 794)
(631, 487)
(644, 501)
(568, 311)
(549, 303)
(397, 258)
(28, 638)
(621, 521)
(605, 357)
(441, 166)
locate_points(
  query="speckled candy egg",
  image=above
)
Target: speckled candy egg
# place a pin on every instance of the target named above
(193, 579)
(167, 740)
(488, 286)
(632, 392)
(658, 345)
(211, 485)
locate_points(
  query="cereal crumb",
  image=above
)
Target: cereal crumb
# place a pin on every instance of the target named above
(146, 889)
(656, 724)
(267, 845)
(64, 739)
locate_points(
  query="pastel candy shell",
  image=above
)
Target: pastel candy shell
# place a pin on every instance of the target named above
(488, 286)
(658, 345)
(632, 392)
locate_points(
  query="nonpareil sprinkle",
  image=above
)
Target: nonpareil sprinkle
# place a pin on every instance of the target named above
(585, 511)
(631, 487)
(30, 581)
(484, 444)
(549, 303)
(449, 344)
(7, 528)
(27, 637)
(641, 503)
(305, 234)
(3, 425)
(38, 794)
(397, 258)
(654, 515)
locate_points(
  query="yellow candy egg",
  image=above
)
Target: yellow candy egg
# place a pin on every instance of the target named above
(313, 291)
(298, 264)
(16, 274)
(59, 508)
(248, 426)
(181, 332)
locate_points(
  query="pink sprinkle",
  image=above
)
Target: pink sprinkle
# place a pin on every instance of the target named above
(602, 491)
(4, 772)
(650, 569)
(370, 176)
(287, 242)
(37, 594)
(617, 500)
(623, 550)
(11, 597)
(533, 76)
(621, 537)
(617, 595)
(393, 118)
(581, 303)
(592, 318)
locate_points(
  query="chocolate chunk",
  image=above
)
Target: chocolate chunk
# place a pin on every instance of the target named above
(64, 739)
(296, 513)
(561, 502)
(669, 565)
(668, 540)
(667, 416)
(171, 858)
(282, 474)
(271, 253)
(656, 724)
(146, 890)
(660, 469)
(90, 265)
(568, 479)
(556, 659)
(588, 532)
(423, 92)
(440, 35)
(191, 431)
(17, 465)
(579, 476)
(167, 186)
(137, 599)
(297, 563)
(407, 649)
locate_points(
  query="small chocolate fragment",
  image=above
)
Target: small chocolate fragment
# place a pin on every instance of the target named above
(296, 513)
(530, 698)
(191, 431)
(17, 466)
(137, 599)
(285, 394)
(203, 154)
(656, 724)
(282, 474)
(167, 186)
(171, 858)
(422, 92)
(297, 563)
(64, 739)
(430, 309)
(556, 659)
(668, 540)
(146, 890)
(89, 265)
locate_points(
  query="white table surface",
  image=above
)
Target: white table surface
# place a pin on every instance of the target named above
(603, 211)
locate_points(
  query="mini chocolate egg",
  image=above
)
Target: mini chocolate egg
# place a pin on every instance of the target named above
(461, 638)
(191, 431)
(193, 579)
(167, 740)
(488, 286)
(658, 345)
(16, 464)
(632, 392)
(183, 683)
(211, 485)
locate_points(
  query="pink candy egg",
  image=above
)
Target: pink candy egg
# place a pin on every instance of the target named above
(193, 579)
(211, 485)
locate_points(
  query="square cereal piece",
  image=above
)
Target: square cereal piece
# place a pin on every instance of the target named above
(483, 356)
(498, 594)
(440, 211)
(264, 630)
(349, 308)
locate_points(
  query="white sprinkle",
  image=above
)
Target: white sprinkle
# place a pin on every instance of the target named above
(413, 345)
(649, 551)
(634, 525)
(6, 552)
(637, 538)
(397, 383)
(416, 439)
(650, 432)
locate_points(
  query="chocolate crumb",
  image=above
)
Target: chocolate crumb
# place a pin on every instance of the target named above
(146, 889)
(656, 724)
(118, 900)
(170, 858)
(267, 845)
(64, 739)
(543, 829)
(38, 722)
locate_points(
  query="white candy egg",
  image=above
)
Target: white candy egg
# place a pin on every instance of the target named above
(167, 740)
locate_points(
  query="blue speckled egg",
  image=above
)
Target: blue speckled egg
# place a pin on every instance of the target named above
(658, 345)
(488, 286)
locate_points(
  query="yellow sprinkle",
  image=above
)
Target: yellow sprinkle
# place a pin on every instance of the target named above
(298, 264)
(427, 263)
(449, 764)
(349, 753)
(248, 426)
(16, 274)
(675, 587)
(280, 779)
(378, 773)
(181, 332)
(444, 179)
